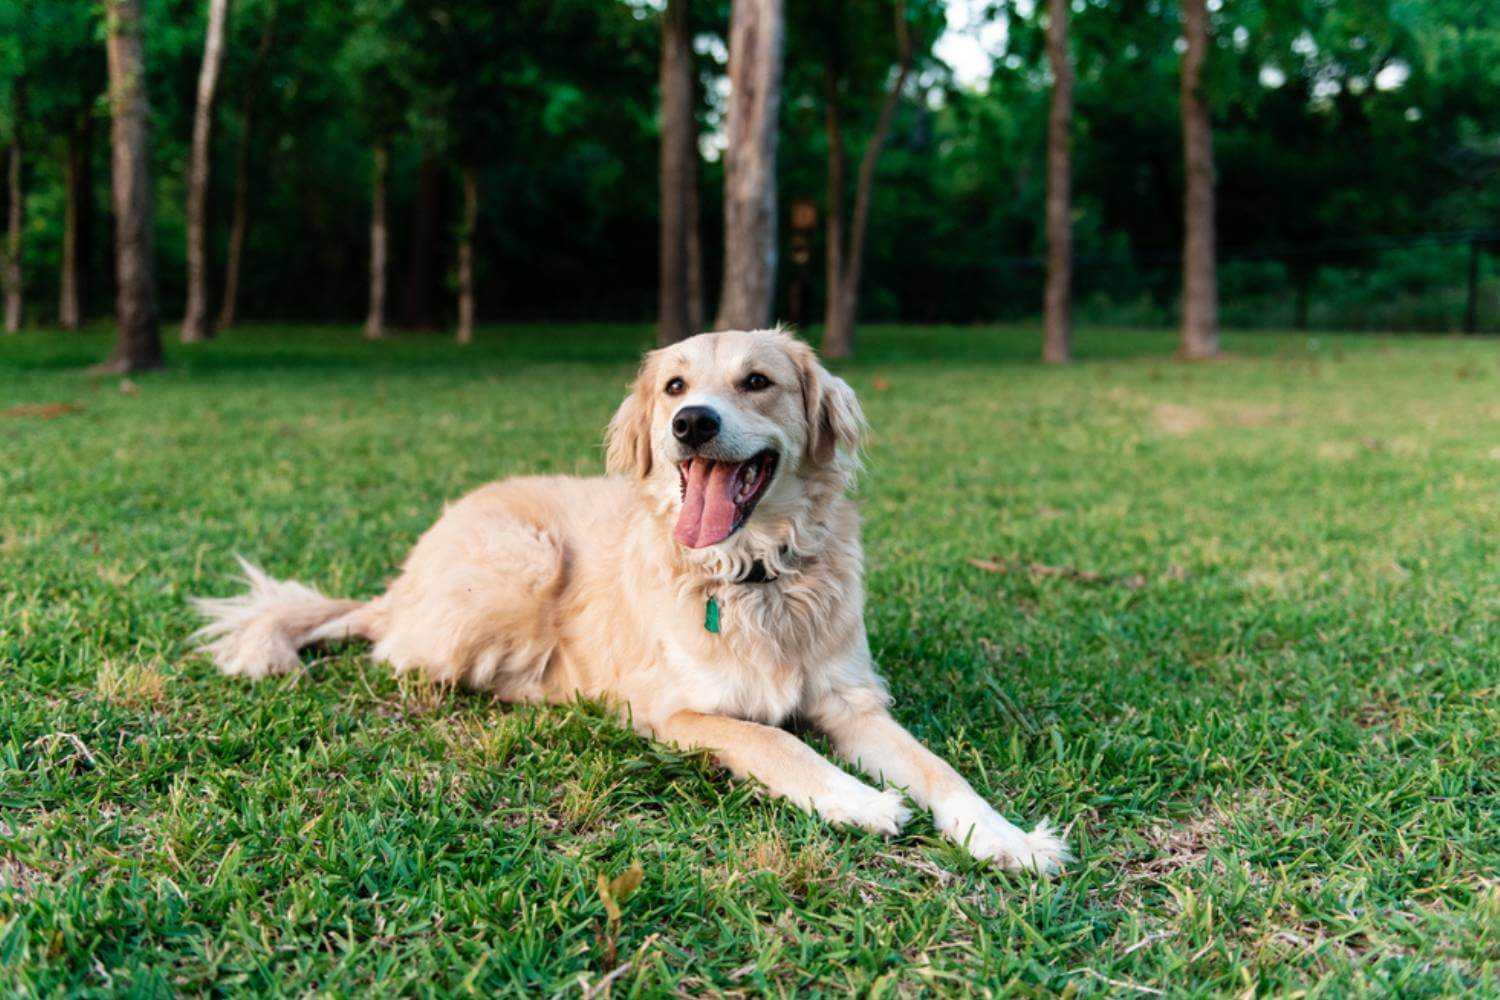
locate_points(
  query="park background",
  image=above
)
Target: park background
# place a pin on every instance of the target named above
(1355, 147)
(1219, 594)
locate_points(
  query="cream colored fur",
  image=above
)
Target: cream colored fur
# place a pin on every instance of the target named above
(545, 589)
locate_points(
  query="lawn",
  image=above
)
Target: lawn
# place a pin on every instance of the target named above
(1235, 625)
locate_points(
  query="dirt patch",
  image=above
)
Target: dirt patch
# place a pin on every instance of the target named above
(1184, 844)
(1179, 421)
(18, 877)
(1042, 571)
(45, 411)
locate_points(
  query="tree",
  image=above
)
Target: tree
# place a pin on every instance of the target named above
(139, 343)
(1200, 292)
(845, 255)
(63, 79)
(677, 177)
(380, 165)
(470, 176)
(240, 212)
(78, 220)
(1057, 303)
(755, 54)
(15, 213)
(18, 38)
(376, 64)
(195, 323)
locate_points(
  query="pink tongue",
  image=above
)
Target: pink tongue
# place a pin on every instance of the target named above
(708, 511)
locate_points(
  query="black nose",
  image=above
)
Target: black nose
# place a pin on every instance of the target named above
(695, 425)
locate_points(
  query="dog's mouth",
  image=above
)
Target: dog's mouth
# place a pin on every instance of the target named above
(718, 497)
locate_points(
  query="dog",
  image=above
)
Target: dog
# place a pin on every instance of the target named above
(710, 587)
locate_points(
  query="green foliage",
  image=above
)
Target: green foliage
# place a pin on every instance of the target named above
(1339, 128)
(1268, 722)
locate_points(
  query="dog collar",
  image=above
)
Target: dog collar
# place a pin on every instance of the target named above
(756, 574)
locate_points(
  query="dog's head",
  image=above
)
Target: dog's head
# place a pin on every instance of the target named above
(724, 424)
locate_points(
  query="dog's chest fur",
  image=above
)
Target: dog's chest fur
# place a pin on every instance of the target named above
(775, 644)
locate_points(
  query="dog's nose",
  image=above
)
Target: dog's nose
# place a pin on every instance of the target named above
(695, 425)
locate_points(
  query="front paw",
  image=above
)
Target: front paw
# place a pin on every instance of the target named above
(988, 836)
(856, 804)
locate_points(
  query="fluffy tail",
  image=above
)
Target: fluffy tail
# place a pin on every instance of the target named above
(259, 632)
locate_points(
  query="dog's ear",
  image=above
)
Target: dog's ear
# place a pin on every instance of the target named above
(627, 442)
(834, 417)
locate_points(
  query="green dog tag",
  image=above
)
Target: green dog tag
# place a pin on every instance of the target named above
(711, 615)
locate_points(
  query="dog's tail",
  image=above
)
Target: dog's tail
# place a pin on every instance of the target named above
(259, 632)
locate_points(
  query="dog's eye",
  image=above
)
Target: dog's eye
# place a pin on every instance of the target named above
(676, 387)
(755, 382)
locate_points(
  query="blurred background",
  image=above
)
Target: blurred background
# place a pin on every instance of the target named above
(527, 157)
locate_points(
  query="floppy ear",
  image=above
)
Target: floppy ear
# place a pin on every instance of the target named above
(627, 442)
(834, 417)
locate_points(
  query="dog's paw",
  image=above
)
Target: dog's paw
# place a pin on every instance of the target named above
(988, 836)
(856, 804)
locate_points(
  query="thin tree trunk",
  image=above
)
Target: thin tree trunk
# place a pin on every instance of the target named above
(466, 255)
(240, 219)
(1471, 307)
(837, 334)
(694, 221)
(195, 324)
(139, 344)
(375, 320)
(77, 196)
(1057, 308)
(14, 226)
(843, 294)
(1200, 292)
(673, 323)
(755, 57)
(416, 298)
(695, 292)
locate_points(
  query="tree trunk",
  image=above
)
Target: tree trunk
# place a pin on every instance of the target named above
(694, 237)
(1200, 292)
(1057, 308)
(139, 344)
(755, 55)
(14, 225)
(673, 323)
(1471, 307)
(240, 219)
(838, 332)
(375, 321)
(416, 299)
(466, 255)
(694, 222)
(846, 264)
(77, 220)
(195, 325)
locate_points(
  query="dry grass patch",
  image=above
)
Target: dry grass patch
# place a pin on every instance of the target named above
(584, 802)
(795, 869)
(131, 684)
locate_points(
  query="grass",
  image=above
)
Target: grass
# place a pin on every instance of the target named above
(1235, 626)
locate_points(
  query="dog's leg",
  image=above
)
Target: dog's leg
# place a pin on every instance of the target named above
(788, 768)
(868, 737)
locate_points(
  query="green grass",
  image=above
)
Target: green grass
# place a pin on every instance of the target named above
(1270, 724)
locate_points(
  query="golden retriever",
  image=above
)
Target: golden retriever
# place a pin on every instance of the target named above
(710, 587)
